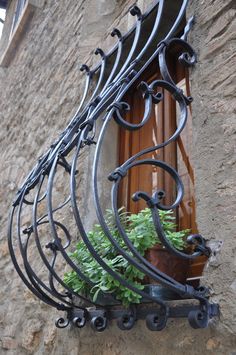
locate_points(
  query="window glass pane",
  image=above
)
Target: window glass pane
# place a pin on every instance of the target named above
(2, 17)
(19, 8)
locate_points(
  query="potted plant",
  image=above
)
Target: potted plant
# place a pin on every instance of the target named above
(141, 232)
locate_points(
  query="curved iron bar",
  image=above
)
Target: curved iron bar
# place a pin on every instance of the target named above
(114, 33)
(150, 97)
(127, 71)
(55, 236)
(74, 124)
(90, 247)
(89, 75)
(147, 268)
(35, 290)
(57, 241)
(24, 249)
(187, 58)
(134, 11)
(107, 102)
(35, 280)
(154, 30)
(187, 28)
(54, 210)
(160, 46)
(130, 75)
(102, 71)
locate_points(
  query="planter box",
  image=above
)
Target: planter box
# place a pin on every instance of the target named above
(171, 265)
(153, 290)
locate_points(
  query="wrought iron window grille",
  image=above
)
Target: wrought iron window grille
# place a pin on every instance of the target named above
(106, 103)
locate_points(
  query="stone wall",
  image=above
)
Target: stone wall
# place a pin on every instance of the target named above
(39, 93)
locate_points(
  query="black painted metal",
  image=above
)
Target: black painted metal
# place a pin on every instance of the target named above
(126, 318)
(106, 103)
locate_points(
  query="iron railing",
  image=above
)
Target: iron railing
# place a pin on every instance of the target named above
(103, 103)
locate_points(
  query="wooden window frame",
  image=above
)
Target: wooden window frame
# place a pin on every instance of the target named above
(128, 146)
(18, 29)
(132, 142)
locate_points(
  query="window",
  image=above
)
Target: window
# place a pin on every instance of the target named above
(161, 125)
(19, 9)
(18, 16)
(3, 4)
(2, 18)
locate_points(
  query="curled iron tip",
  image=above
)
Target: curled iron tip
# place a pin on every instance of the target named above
(116, 32)
(100, 52)
(135, 11)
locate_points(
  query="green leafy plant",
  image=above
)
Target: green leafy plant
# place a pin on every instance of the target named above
(141, 232)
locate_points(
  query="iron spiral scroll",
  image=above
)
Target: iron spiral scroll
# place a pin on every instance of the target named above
(103, 104)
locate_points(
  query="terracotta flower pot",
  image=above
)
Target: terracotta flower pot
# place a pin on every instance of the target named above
(195, 270)
(163, 260)
(175, 267)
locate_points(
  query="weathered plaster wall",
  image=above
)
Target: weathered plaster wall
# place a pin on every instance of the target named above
(40, 91)
(213, 88)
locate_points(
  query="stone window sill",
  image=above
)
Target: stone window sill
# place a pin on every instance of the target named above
(19, 31)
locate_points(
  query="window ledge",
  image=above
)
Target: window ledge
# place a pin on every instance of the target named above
(19, 31)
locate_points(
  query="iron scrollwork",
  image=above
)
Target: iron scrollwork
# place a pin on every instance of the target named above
(107, 101)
